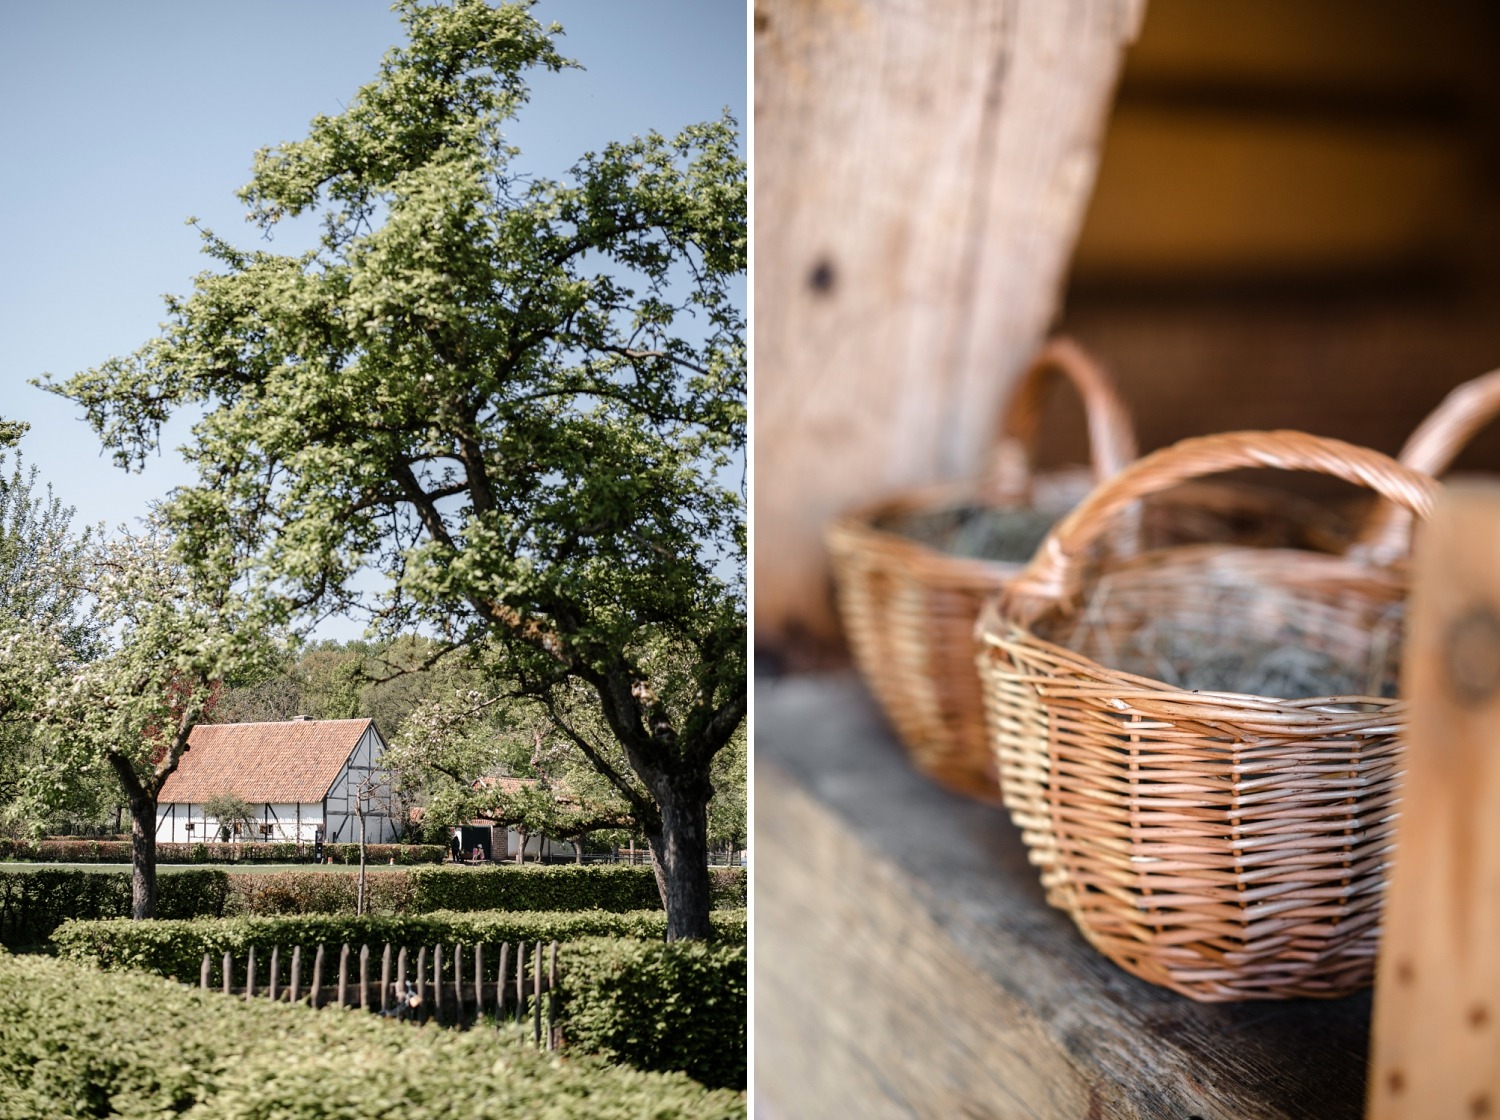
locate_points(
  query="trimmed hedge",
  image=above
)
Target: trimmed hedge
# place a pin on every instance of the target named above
(34, 903)
(618, 887)
(75, 1042)
(118, 851)
(659, 1006)
(316, 892)
(176, 948)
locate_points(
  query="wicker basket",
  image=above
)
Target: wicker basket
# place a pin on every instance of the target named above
(1224, 845)
(1431, 449)
(909, 609)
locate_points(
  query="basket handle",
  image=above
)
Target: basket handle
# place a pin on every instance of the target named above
(1111, 434)
(1432, 447)
(1055, 574)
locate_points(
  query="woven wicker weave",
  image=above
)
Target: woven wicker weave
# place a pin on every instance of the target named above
(909, 609)
(1224, 845)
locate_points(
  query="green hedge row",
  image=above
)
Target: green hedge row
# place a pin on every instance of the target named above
(118, 851)
(316, 892)
(659, 1006)
(176, 948)
(76, 1042)
(618, 887)
(34, 903)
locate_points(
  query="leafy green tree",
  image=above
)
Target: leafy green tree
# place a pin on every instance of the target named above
(232, 813)
(46, 621)
(521, 400)
(128, 711)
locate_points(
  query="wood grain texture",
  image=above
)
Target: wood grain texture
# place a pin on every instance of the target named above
(921, 173)
(1435, 1044)
(907, 965)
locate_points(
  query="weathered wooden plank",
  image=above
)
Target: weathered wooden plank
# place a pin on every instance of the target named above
(437, 982)
(928, 169)
(520, 981)
(271, 991)
(294, 989)
(552, 1027)
(250, 973)
(385, 980)
(344, 976)
(502, 981)
(203, 972)
(907, 965)
(228, 972)
(458, 984)
(1437, 1004)
(424, 1005)
(479, 981)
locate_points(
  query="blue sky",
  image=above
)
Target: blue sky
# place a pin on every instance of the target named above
(121, 120)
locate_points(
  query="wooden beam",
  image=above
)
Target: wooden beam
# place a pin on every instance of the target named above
(921, 175)
(1436, 1039)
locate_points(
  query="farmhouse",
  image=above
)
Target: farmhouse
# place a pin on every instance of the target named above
(300, 777)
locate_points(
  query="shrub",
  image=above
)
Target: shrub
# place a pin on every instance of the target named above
(316, 892)
(557, 887)
(659, 1006)
(728, 887)
(74, 1042)
(118, 851)
(176, 948)
(34, 903)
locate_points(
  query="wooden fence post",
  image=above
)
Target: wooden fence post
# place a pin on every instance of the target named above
(401, 982)
(228, 971)
(553, 1029)
(385, 979)
(520, 981)
(1437, 991)
(250, 975)
(344, 975)
(295, 988)
(203, 972)
(275, 970)
(502, 979)
(458, 984)
(536, 993)
(437, 983)
(364, 978)
(478, 981)
(422, 1004)
(317, 980)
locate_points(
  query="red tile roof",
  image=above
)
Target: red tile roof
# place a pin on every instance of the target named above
(279, 762)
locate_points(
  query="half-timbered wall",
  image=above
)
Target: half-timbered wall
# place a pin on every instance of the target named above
(341, 802)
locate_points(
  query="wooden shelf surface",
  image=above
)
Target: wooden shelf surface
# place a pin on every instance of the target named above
(906, 964)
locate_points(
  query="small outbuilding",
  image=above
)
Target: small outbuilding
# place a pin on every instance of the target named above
(301, 779)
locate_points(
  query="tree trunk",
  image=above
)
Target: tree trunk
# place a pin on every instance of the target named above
(520, 845)
(679, 856)
(359, 902)
(142, 857)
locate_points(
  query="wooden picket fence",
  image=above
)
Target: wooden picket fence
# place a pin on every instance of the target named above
(517, 993)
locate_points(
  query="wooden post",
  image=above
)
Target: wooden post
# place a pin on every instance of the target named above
(385, 979)
(552, 1027)
(344, 975)
(536, 995)
(1437, 993)
(317, 981)
(401, 978)
(437, 982)
(478, 981)
(294, 990)
(250, 974)
(520, 981)
(928, 171)
(458, 984)
(503, 978)
(275, 969)
(228, 972)
(422, 1004)
(203, 973)
(364, 978)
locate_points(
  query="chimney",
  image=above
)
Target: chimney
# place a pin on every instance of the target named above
(302, 719)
